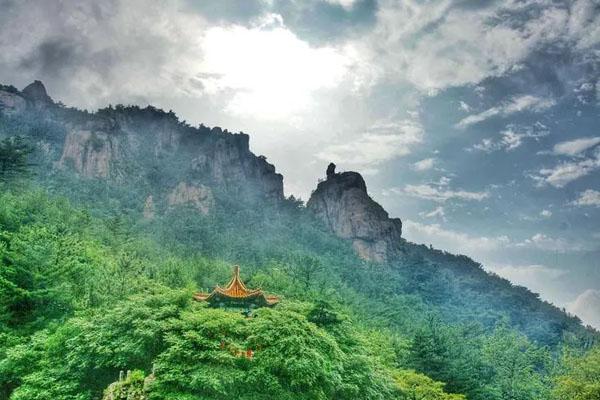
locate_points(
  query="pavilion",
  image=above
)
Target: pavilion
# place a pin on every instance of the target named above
(236, 295)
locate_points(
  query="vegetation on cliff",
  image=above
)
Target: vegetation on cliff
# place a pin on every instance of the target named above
(91, 284)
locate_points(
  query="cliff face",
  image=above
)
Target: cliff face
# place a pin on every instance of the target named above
(343, 203)
(90, 153)
(147, 146)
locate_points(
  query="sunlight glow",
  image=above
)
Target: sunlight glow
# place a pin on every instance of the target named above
(270, 70)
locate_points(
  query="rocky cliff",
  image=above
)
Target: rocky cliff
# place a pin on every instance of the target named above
(147, 146)
(343, 203)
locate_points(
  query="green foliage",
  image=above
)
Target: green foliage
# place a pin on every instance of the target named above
(519, 367)
(131, 388)
(580, 378)
(14, 152)
(276, 354)
(415, 386)
(90, 288)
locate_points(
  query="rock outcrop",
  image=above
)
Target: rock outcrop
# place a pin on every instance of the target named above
(149, 211)
(200, 197)
(146, 145)
(342, 202)
(89, 153)
(11, 102)
(36, 94)
(228, 159)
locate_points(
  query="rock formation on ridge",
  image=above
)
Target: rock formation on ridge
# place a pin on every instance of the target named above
(151, 147)
(342, 202)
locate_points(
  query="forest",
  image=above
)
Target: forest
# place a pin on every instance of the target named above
(96, 301)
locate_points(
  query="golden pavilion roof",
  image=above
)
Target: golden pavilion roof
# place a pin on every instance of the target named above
(237, 292)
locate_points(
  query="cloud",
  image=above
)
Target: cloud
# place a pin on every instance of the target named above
(575, 147)
(424, 165)
(347, 4)
(454, 241)
(464, 243)
(541, 241)
(566, 172)
(527, 274)
(587, 307)
(464, 106)
(268, 69)
(441, 194)
(535, 277)
(383, 141)
(546, 213)
(510, 138)
(437, 212)
(589, 197)
(431, 44)
(514, 105)
(90, 55)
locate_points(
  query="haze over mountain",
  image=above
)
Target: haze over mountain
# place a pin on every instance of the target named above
(111, 220)
(476, 122)
(163, 164)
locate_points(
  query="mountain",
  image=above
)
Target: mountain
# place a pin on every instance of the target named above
(129, 143)
(153, 164)
(129, 211)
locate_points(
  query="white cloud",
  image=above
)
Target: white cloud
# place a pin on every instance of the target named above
(347, 4)
(564, 173)
(437, 212)
(424, 165)
(589, 197)
(382, 142)
(514, 105)
(481, 246)
(544, 242)
(575, 147)
(440, 194)
(535, 277)
(464, 106)
(457, 242)
(520, 273)
(546, 213)
(510, 139)
(431, 44)
(272, 73)
(587, 307)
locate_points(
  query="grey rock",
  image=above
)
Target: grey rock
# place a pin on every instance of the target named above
(36, 94)
(342, 202)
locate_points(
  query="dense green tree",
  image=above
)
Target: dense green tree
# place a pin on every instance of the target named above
(518, 366)
(580, 378)
(415, 386)
(14, 153)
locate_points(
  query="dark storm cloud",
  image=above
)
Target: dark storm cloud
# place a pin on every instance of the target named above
(52, 57)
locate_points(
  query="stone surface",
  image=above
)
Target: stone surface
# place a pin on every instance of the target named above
(149, 208)
(199, 197)
(147, 145)
(11, 103)
(37, 96)
(89, 153)
(228, 160)
(342, 202)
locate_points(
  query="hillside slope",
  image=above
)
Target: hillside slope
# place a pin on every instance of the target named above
(204, 189)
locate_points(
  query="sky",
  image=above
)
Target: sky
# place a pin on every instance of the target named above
(475, 122)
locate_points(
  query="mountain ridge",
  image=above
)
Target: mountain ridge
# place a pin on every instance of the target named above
(161, 165)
